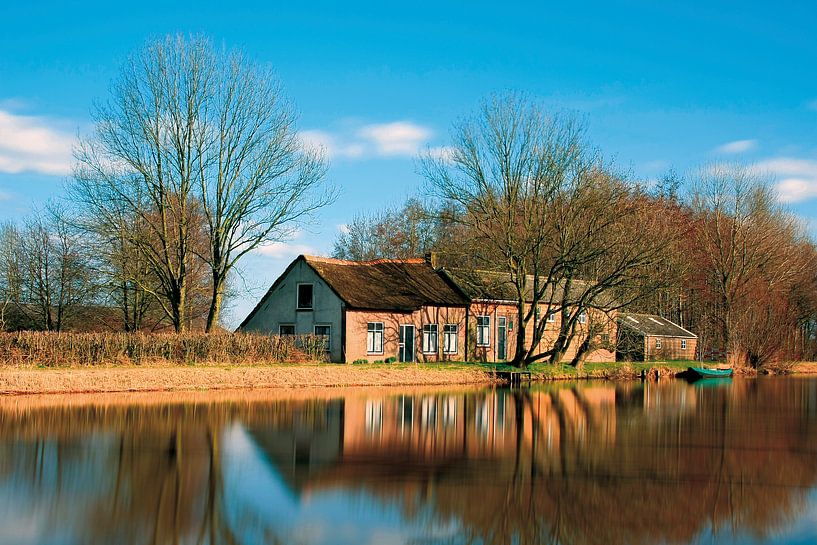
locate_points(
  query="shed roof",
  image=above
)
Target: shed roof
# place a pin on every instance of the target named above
(653, 326)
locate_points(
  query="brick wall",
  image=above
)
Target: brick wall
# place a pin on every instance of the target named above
(669, 348)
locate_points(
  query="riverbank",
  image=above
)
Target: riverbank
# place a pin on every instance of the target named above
(174, 378)
(168, 378)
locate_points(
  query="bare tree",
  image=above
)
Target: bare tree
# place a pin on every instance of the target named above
(11, 270)
(195, 139)
(410, 230)
(57, 276)
(542, 208)
(749, 247)
(257, 182)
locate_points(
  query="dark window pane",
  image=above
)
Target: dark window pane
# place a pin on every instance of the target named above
(305, 296)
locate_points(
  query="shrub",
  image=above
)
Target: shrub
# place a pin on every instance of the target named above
(391, 359)
(50, 349)
(361, 360)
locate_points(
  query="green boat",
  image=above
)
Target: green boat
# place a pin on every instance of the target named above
(703, 372)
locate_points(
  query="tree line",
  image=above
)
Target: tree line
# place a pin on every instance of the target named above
(522, 191)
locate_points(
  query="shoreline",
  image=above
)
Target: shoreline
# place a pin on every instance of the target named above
(169, 378)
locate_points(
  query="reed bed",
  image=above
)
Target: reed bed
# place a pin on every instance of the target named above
(46, 349)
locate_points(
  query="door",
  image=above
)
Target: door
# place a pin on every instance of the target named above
(501, 338)
(406, 343)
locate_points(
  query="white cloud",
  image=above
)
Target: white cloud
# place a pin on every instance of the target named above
(797, 178)
(443, 153)
(33, 144)
(738, 146)
(281, 250)
(396, 138)
(332, 145)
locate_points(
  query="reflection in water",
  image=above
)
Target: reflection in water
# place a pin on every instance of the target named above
(571, 464)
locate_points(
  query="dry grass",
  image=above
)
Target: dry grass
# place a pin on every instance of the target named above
(39, 349)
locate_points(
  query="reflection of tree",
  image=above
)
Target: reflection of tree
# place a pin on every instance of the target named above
(151, 475)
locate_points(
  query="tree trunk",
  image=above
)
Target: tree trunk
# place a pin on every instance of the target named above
(215, 302)
(178, 303)
(520, 350)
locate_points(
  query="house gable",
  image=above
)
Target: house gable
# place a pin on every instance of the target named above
(278, 307)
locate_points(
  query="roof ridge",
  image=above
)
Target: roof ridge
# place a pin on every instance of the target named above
(335, 261)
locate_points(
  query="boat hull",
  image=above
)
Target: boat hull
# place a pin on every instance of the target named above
(703, 372)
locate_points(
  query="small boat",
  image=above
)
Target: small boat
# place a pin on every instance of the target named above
(703, 372)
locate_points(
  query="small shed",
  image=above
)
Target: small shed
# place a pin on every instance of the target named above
(645, 337)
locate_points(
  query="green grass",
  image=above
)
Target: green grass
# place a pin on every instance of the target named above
(543, 370)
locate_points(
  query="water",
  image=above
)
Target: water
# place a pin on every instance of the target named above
(590, 463)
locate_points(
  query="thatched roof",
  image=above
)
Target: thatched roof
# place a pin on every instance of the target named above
(388, 284)
(653, 326)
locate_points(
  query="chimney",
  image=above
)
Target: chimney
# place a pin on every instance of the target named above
(431, 259)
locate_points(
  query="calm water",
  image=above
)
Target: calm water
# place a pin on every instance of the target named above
(572, 464)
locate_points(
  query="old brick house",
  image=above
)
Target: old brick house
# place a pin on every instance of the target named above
(645, 337)
(405, 309)
(370, 310)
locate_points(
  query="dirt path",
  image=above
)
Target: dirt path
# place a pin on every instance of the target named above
(152, 379)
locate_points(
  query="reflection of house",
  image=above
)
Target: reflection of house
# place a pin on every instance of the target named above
(372, 310)
(644, 337)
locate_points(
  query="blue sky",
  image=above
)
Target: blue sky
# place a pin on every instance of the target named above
(660, 86)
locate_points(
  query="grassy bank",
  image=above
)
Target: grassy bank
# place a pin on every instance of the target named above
(175, 378)
(156, 378)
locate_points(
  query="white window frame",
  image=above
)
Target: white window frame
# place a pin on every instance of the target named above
(582, 317)
(298, 296)
(486, 336)
(436, 330)
(658, 343)
(551, 318)
(280, 326)
(371, 333)
(448, 330)
(328, 335)
(683, 344)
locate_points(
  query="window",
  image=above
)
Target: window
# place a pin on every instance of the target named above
(430, 339)
(483, 330)
(450, 334)
(583, 317)
(658, 344)
(683, 344)
(374, 338)
(325, 332)
(304, 297)
(286, 329)
(551, 317)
